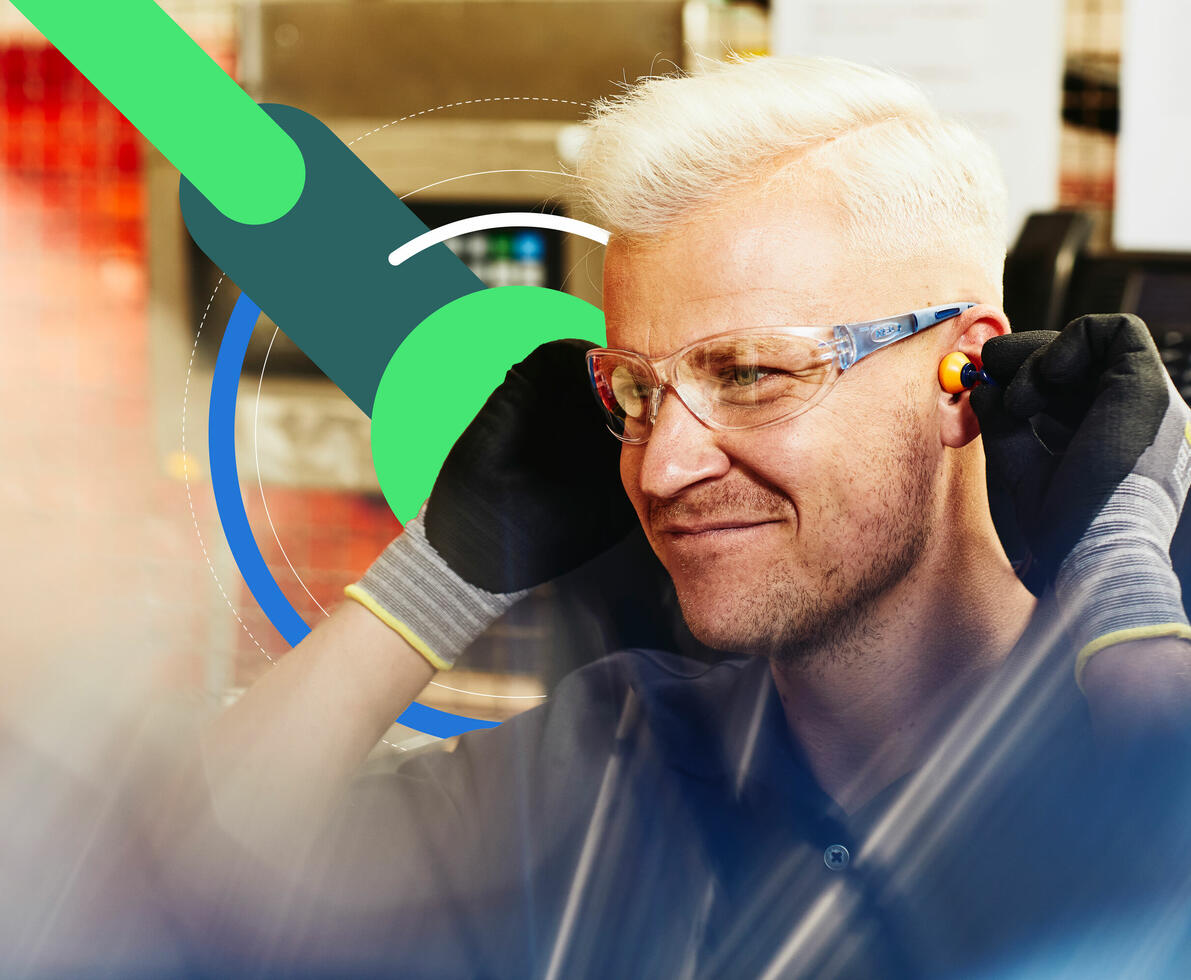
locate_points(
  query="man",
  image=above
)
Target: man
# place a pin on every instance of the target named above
(891, 771)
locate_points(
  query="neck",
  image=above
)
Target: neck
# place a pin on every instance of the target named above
(868, 713)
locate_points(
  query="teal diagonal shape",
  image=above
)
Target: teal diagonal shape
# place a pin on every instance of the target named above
(321, 270)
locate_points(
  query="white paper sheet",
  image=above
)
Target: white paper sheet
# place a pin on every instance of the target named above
(1153, 202)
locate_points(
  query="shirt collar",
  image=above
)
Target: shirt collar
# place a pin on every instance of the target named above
(724, 723)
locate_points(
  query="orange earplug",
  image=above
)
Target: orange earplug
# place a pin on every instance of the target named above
(957, 374)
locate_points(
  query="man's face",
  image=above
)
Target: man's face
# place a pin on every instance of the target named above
(779, 540)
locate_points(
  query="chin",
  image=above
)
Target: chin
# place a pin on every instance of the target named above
(730, 621)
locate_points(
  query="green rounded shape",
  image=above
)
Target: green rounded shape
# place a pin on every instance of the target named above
(181, 100)
(444, 371)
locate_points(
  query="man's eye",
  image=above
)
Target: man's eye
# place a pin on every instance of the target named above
(743, 375)
(628, 391)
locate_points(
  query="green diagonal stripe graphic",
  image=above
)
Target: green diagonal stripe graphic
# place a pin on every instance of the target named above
(183, 103)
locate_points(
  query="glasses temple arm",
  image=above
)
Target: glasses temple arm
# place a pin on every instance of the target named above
(856, 340)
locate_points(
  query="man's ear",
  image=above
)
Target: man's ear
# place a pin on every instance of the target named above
(957, 422)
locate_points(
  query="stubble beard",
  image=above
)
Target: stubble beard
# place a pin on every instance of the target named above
(775, 615)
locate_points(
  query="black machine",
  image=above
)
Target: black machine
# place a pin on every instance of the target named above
(1051, 278)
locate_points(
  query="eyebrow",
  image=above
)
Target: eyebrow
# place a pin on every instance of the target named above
(774, 346)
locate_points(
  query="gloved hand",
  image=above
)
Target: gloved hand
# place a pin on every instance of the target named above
(531, 490)
(1087, 432)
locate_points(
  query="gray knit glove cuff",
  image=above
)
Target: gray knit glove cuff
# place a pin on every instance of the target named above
(414, 592)
(1118, 581)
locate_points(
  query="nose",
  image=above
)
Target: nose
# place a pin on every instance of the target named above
(681, 451)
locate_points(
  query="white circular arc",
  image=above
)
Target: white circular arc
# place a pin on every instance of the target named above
(506, 219)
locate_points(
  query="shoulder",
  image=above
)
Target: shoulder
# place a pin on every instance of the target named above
(558, 751)
(654, 674)
(595, 705)
(657, 681)
(687, 708)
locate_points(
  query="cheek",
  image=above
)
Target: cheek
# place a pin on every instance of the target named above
(832, 479)
(630, 471)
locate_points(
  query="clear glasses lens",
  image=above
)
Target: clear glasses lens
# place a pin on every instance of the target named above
(735, 382)
(748, 381)
(630, 391)
(623, 385)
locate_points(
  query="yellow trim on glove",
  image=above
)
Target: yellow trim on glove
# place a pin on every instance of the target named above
(1125, 636)
(398, 627)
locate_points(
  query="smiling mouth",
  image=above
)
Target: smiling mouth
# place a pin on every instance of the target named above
(712, 528)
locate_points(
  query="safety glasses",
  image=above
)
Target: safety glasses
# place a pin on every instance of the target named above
(743, 379)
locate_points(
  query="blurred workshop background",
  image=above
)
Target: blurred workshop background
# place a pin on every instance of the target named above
(122, 593)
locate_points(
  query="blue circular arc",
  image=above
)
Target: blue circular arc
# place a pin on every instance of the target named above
(229, 502)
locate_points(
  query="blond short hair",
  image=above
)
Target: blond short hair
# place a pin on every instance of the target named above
(907, 180)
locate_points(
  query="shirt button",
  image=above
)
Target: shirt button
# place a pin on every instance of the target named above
(836, 857)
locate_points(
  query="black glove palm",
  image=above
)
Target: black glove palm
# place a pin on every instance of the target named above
(1071, 417)
(531, 490)
(1100, 505)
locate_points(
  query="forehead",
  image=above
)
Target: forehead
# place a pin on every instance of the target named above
(758, 258)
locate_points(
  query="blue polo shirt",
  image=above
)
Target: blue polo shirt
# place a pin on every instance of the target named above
(656, 819)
